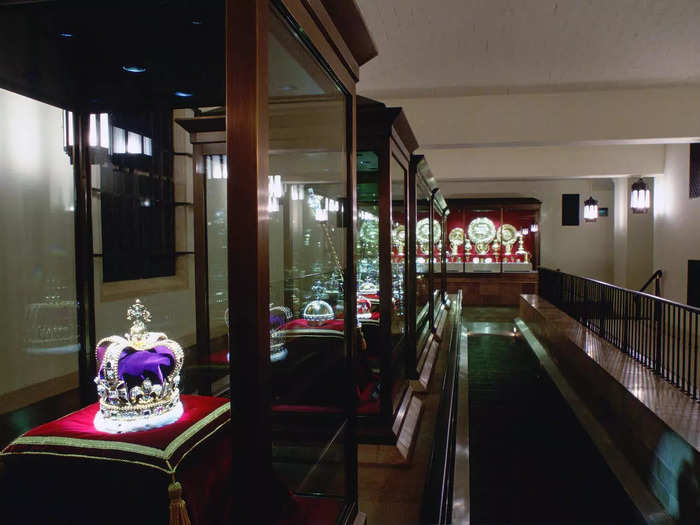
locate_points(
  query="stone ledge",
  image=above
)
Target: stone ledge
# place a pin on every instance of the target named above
(655, 425)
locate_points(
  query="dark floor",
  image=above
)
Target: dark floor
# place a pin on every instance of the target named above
(530, 459)
(495, 314)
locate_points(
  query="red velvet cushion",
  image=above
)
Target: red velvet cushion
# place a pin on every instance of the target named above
(160, 448)
(334, 324)
(122, 477)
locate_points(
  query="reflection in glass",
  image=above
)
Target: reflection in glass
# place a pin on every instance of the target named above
(398, 243)
(307, 209)
(37, 256)
(422, 253)
(217, 260)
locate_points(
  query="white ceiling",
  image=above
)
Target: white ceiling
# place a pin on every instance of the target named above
(452, 47)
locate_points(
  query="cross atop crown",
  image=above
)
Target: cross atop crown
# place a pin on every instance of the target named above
(140, 315)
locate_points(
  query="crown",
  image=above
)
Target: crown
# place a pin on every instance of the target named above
(138, 376)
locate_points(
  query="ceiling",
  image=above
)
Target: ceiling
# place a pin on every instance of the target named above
(462, 47)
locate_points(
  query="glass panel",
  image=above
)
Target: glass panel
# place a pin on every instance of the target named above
(398, 248)
(520, 258)
(217, 259)
(308, 265)
(367, 253)
(37, 255)
(483, 244)
(422, 253)
(456, 236)
(144, 183)
(437, 261)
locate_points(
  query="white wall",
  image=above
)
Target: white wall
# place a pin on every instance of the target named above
(676, 223)
(640, 243)
(648, 115)
(586, 249)
(633, 238)
(550, 162)
(620, 228)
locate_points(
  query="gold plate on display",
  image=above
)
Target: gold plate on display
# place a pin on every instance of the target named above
(507, 234)
(398, 236)
(457, 236)
(423, 231)
(481, 230)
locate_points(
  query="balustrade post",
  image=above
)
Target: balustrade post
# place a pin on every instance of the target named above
(584, 308)
(561, 290)
(626, 326)
(658, 320)
(602, 306)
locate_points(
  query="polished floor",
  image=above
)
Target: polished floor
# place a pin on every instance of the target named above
(530, 459)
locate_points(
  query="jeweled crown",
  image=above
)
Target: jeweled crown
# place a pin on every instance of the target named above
(138, 377)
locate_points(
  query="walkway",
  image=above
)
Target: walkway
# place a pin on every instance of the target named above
(530, 459)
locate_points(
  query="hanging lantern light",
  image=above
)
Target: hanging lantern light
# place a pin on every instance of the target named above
(590, 210)
(534, 227)
(640, 200)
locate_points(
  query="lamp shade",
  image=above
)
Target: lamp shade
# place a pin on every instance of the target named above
(640, 199)
(590, 210)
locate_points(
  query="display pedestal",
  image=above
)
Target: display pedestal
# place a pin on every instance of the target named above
(82, 475)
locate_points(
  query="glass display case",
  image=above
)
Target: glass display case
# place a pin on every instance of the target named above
(427, 264)
(439, 260)
(497, 260)
(236, 242)
(385, 142)
(493, 235)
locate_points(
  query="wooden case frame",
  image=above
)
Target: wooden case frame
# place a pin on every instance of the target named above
(386, 132)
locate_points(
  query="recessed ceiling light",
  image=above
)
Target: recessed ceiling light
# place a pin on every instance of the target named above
(134, 69)
(66, 35)
(183, 94)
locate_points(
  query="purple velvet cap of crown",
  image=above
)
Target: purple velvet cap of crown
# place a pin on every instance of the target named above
(136, 365)
(277, 320)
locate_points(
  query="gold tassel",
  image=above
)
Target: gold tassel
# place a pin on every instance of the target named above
(178, 508)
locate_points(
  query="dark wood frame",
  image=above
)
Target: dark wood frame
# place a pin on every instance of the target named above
(247, 140)
(421, 175)
(386, 131)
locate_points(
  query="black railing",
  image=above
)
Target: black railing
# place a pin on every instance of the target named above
(656, 279)
(658, 333)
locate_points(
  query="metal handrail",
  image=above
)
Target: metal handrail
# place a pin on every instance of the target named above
(622, 288)
(656, 276)
(661, 334)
